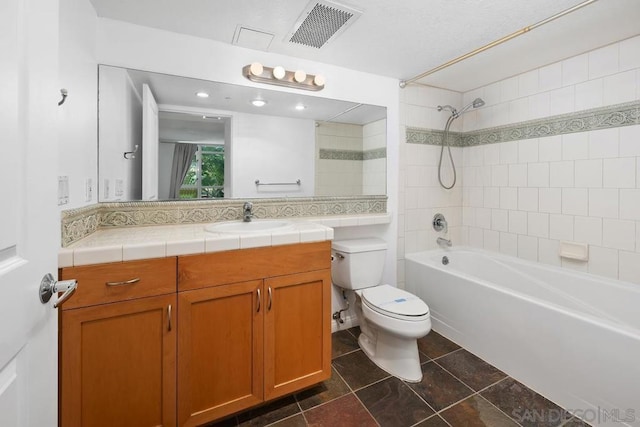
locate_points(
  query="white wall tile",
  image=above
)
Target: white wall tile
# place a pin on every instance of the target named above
(500, 219)
(518, 110)
(499, 176)
(509, 152)
(518, 175)
(603, 203)
(619, 234)
(576, 265)
(603, 262)
(528, 83)
(618, 88)
(538, 224)
(561, 227)
(575, 146)
(528, 199)
(539, 106)
(509, 89)
(491, 197)
(629, 143)
(587, 230)
(575, 70)
(561, 174)
(550, 200)
(629, 266)
(619, 173)
(562, 101)
(517, 222)
(476, 197)
(491, 154)
(538, 175)
(509, 244)
(603, 61)
(476, 237)
(550, 77)
(528, 151)
(630, 54)
(603, 143)
(528, 248)
(630, 204)
(574, 201)
(491, 240)
(589, 94)
(588, 173)
(508, 198)
(548, 251)
(550, 148)
(483, 217)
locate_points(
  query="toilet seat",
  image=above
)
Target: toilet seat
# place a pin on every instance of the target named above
(393, 302)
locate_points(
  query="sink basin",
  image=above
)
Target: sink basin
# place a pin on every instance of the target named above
(253, 227)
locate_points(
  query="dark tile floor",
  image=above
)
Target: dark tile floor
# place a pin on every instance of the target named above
(458, 389)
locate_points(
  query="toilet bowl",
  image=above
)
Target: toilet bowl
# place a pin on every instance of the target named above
(391, 319)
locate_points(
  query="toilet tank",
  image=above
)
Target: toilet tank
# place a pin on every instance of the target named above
(357, 263)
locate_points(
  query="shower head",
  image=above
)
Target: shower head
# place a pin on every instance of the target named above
(478, 102)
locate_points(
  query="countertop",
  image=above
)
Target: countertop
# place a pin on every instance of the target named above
(134, 243)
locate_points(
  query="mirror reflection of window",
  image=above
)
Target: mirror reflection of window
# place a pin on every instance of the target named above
(205, 177)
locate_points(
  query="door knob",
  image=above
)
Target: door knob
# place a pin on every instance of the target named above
(50, 286)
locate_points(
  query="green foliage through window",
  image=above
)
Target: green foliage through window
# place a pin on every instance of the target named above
(205, 178)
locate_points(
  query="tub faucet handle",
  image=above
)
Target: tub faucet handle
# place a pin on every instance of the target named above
(247, 211)
(439, 222)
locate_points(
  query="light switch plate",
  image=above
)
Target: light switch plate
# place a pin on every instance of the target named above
(63, 190)
(88, 185)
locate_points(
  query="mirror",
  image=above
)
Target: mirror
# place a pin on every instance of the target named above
(164, 137)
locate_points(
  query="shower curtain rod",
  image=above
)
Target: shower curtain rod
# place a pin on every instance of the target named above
(404, 83)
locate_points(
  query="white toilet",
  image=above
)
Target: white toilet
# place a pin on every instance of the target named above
(391, 320)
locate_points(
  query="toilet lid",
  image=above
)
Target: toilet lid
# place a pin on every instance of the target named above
(391, 301)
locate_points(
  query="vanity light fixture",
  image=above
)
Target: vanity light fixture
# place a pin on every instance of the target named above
(202, 94)
(256, 72)
(259, 102)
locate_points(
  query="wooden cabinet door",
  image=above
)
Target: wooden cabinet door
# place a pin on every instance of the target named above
(297, 332)
(220, 354)
(117, 364)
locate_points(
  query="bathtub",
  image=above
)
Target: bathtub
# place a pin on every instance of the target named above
(572, 337)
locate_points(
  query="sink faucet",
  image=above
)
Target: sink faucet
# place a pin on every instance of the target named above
(247, 211)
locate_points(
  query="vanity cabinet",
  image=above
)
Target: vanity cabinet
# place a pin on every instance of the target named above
(254, 325)
(191, 339)
(117, 359)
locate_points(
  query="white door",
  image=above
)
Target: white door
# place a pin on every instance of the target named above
(150, 145)
(29, 215)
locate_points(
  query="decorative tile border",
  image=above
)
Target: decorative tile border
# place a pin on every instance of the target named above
(626, 114)
(80, 223)
(334, 154)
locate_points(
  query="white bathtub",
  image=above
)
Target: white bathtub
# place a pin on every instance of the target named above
(572, 337)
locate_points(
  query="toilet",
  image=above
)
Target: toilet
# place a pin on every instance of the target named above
(391, 320)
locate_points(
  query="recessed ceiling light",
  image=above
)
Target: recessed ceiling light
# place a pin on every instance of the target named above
(300, 107)
(202, 94)
(259, 102)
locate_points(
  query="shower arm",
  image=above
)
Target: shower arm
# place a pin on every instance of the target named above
(404, 83)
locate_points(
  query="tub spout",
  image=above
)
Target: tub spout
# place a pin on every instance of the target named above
(442, 242)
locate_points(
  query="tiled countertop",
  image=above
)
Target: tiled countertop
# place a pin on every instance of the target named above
(133, 243)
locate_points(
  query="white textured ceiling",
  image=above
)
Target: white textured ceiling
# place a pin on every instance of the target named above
(402, 39)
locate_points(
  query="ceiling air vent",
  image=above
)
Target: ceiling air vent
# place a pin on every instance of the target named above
(320, 22)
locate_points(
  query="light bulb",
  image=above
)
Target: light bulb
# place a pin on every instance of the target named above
(300, 107)
(256, 68)
(300, 76)
(259, 102)
(202, 94)
(279, 72)
(318, 80)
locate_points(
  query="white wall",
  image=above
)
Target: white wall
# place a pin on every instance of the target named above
(272, 149)
(582, 187)
(78, 117)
